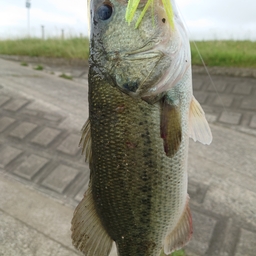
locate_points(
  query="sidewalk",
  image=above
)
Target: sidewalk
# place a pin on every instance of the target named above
(43, 175)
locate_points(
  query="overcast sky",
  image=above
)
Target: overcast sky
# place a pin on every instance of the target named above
(205, 19)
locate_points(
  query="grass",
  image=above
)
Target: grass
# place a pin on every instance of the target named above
(225, 53)
(179, 253)
(176, 253)
(39, 67)
(214, 53)
(24, 64)
(66, 76)
(73, 48)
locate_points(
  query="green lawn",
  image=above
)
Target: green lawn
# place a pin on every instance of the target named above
(225, 53)
(73, 48)
(176, 253)
(214, 53)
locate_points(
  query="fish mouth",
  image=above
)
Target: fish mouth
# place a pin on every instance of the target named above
(134, 70)
(145, 52)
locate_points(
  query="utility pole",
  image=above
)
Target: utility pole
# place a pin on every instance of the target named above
(28, 5)
(42, 32)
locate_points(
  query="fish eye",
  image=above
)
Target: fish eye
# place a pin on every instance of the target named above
(104, 12)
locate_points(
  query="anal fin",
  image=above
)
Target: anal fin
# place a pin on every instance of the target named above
(181, 234)
(199, 129)
(88, 234)
(171, 132)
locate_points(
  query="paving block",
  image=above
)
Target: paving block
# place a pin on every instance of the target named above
(3, 99)
(249, 103)
(253, 122)
(60, 178)
(228, 199)
(244, 89)
(30, 166)
(50, 117)
(196, 191)
(20, 239)
(80, 195)
(223, 100)
(211, 118)
(230, 239)
(46, 136)
(201, 96)
(70, 145)
(22, 130)
(5, 122)
(219, 86)
(247, 244)
(197, 84)
(7, 155)
(29, 112)
(15, 104)
(203, 227)
(229, 117)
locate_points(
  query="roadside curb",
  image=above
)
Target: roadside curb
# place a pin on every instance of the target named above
(224, 71)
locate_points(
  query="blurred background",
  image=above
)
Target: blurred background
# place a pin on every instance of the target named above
(43, 105)
(205, 19)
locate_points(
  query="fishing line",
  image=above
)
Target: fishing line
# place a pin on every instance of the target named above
(202, 60)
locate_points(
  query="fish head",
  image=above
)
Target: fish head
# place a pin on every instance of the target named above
(140, 61)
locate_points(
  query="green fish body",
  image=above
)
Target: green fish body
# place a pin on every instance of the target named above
(141, 115)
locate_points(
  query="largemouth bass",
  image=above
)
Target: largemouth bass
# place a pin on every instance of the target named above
(141, 115)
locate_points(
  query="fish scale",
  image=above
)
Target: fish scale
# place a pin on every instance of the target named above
(134, 184)
(141, 114)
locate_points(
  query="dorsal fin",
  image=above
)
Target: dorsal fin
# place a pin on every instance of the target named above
(85, 141)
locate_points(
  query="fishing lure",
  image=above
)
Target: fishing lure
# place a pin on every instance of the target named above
(133, 5)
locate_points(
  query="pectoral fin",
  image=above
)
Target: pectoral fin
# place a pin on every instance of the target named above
(199, 129)
(181, 233)
(85, 141)
(88, 234)
(170, 128)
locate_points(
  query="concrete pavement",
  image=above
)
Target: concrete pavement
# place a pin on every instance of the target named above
(43, 175)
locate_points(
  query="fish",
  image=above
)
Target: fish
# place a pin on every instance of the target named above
(142, 113)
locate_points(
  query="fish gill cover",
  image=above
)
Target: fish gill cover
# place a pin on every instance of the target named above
(133, 5)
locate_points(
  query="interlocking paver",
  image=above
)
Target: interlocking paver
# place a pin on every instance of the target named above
(201, 96)
(5, 122)
(52, 117)
(231, 237)
(244, 89)
(203, 227)
(46, 136)
(219, 86)
(15, 104)
(247, 244)
(222, 216)
(30, 166)
(223, 101)
(249, 103)
(7, 155)
(229, 117)
(3, 99)
(23, 129)
(253, 122)
(211, 118)
(70, 145)
(79, 196)
(197, 84)
(60, 178)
